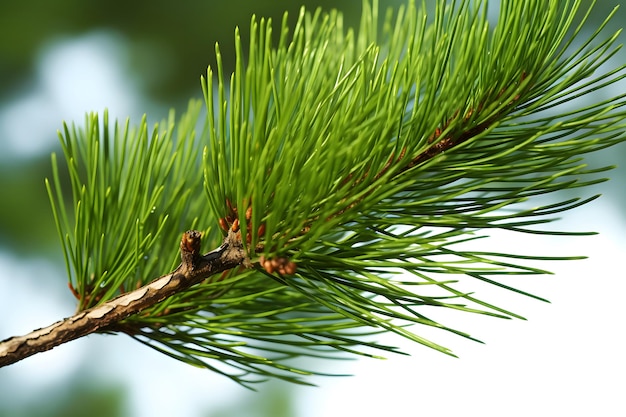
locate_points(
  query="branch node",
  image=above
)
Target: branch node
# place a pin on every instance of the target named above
(235, 250)
(190, 250)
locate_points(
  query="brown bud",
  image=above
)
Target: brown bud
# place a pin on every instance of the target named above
(268, 266)
(261, 230)
(223, 224)
(275, 263)
(249, 213)
(290, 268)
(191, 241)
(235, 225)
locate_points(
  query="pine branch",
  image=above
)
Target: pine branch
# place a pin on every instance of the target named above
(349, 172)
(107, 317)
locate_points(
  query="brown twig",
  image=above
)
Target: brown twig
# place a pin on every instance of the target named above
(193, 270)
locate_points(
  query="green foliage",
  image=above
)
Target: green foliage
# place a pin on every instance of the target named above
(132, 192)
(363, 159)
(73, 401)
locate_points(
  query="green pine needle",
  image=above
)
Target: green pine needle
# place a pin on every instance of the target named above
(368, 161)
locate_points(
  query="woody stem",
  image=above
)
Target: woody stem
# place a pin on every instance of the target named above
(193, 269)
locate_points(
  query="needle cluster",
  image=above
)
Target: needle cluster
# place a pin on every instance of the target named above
(353, 166)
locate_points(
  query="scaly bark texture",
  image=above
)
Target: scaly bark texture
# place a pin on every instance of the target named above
(193, 269)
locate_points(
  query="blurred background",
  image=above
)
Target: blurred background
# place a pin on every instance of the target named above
(59, 60)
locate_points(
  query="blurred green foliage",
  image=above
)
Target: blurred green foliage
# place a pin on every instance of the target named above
(79, 398)
(25, 216)
(278, 400)
(171, 42)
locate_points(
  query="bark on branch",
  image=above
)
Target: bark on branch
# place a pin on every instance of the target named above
(193, 269)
